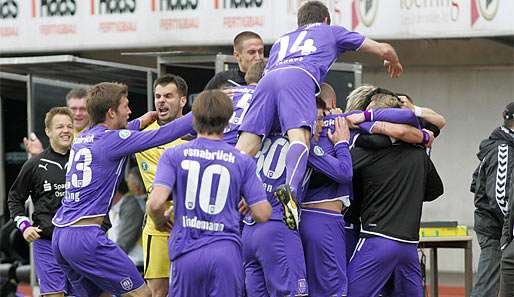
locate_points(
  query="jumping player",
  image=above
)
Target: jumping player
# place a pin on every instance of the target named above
(298, 63)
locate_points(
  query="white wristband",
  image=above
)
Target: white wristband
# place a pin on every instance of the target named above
(418, 111)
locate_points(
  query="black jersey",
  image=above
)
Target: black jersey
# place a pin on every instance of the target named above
(391, 185)
(222, 79)
(42, 178)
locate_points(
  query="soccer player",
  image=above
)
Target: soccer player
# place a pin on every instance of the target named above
(273, 254)
(92, 262)
(248, 49)
(241, 100)
(42, 178)
(76, 101)
(207, 178)
(391, 183)
(170, 96)
(298, 63)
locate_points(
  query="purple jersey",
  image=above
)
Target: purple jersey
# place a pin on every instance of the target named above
(271, 168)
(332, 191)
(242, 98)
(313, 48)
(97, 159)
(207, 179)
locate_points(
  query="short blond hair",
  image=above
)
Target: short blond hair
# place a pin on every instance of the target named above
(356, 100)
(55, 111)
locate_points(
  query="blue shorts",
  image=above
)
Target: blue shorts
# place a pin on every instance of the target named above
(273, 260)
(286, 96)
(50, 275)
(213, 270)
(93, 263)
(322, 233)
(378, 261)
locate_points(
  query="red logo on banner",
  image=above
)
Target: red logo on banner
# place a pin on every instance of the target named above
(486, 9)
(474, 12)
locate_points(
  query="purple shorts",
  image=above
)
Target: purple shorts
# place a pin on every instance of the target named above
(322, 233)
(351, 237)
(273, 260)
(213, 270)
(379, 261)
(93, 263)
(286, 94)
(50, 275)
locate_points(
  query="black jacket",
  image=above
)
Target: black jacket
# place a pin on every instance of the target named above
(491, 182)
(391, 185)
(221, 79)
(42, 178)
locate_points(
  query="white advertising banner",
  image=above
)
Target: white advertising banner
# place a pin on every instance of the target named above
(61, 25)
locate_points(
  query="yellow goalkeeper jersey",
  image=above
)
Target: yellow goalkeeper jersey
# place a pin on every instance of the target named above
(147, 162)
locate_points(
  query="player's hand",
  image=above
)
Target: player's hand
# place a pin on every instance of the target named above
(32, 233)
(431, 139)
(341, 132)
(355, 119)
(393, 68)
(406, 103)
(336, 110)
(147, 119)
(32, 144)
(244, 209)
(229, 92)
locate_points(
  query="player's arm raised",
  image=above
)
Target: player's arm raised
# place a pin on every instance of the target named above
(387, 53)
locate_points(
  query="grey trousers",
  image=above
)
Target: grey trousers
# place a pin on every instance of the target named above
(507, 271)
(487, 280)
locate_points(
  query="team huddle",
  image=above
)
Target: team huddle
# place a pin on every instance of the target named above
(276, 192)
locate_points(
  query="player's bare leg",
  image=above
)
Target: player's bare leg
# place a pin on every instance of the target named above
(249, 143)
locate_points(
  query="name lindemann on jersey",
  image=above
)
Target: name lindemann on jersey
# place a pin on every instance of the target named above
(194, 222)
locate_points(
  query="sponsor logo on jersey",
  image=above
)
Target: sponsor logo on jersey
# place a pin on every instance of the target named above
(124, 134)
(47, 186)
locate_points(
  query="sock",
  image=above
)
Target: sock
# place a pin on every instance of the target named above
(296, 164)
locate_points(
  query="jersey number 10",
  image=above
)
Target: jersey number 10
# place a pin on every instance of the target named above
(193, 181)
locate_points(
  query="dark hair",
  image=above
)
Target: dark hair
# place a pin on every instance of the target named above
(76, 93)
(254, 73)
(172, 79)
(313, 12)
(211, 111)
(103, 96)
(55, 111)
(242, 36)
(320, 103)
